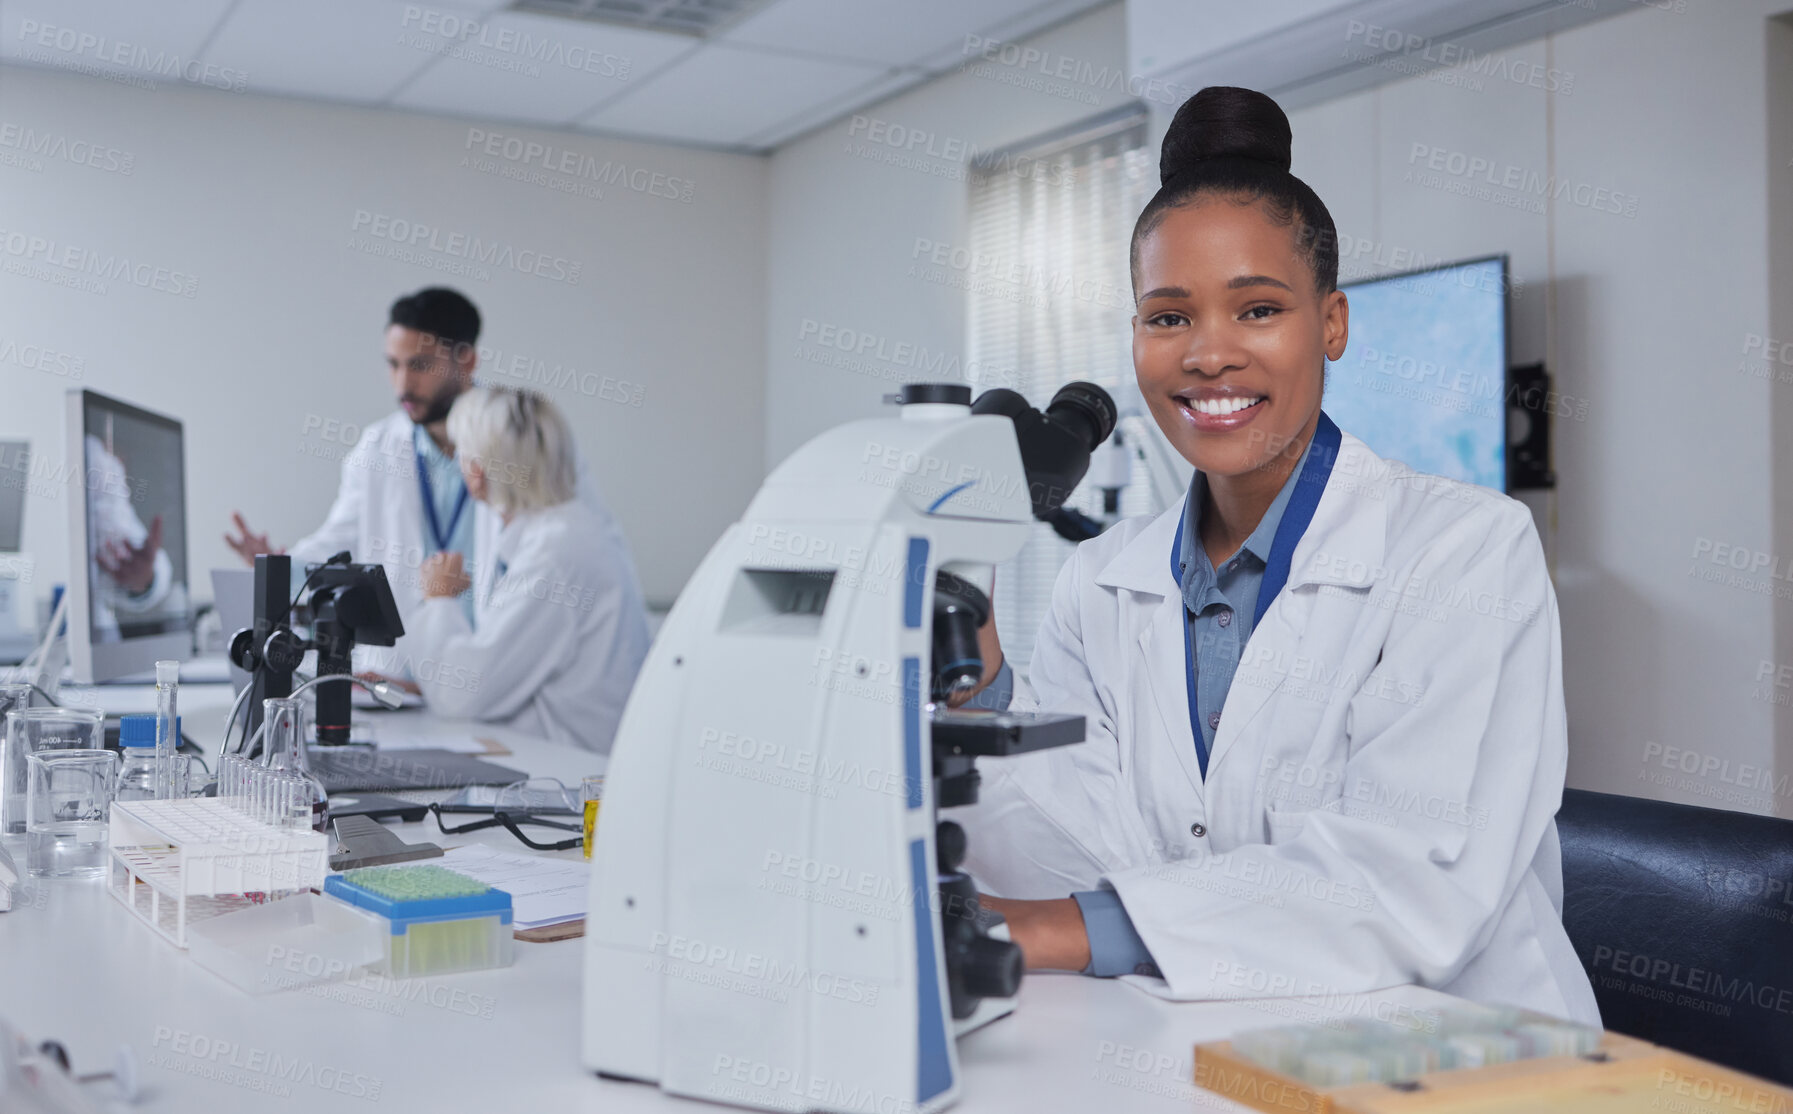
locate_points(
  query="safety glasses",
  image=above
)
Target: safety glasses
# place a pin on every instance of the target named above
(538, 802)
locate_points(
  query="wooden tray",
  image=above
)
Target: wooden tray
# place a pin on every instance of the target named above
(1624, 1075)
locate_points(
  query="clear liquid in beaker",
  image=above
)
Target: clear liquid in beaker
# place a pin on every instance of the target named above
(66, 849)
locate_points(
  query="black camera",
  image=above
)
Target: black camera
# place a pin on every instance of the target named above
(349, 605)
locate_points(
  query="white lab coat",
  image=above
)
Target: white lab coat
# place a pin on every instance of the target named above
(1379, 804)
(557, 641)
(378, 517)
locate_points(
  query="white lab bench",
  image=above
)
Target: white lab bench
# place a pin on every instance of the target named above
(76, 966)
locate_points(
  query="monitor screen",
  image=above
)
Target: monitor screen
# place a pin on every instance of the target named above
(135, 513)
(1424, 375)
(15, 473)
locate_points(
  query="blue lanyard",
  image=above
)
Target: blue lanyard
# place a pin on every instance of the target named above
(429, 502)
(1323, 450)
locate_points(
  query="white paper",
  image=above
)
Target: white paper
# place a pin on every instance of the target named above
(544, 890)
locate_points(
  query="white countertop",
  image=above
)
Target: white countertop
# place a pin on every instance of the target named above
(76, 966)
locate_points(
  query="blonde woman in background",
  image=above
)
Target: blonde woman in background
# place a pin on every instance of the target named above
(554, 647)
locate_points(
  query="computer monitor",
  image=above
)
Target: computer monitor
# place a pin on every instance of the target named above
(1424, 375)
(15, 567)
(15, 476)
(129, 605)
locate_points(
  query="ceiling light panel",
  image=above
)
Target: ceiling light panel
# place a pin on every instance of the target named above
(699, 18)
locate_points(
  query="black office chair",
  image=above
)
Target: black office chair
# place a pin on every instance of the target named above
(1683, 917)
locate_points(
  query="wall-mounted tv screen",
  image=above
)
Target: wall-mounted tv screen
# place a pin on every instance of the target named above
(1424, 375)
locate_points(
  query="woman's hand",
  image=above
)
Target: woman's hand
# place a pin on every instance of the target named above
(443, 577)
(989, 647)
(1051, 933)
(377, 678)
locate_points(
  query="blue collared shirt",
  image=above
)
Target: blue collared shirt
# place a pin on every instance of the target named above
(446, 486)
(1220, 606)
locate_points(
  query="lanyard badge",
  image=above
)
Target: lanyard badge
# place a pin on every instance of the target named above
(439, 536)
(1321, 452)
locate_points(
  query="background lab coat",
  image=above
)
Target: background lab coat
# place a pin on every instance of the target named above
(1380, 801)
(559, 638)
(378, 517)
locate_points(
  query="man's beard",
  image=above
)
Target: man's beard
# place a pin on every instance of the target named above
(439, 406)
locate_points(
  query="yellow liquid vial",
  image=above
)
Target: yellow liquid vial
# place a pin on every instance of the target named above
(591, 822)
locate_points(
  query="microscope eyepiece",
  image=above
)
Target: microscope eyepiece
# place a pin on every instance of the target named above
(1086, 408)
(1055, 445)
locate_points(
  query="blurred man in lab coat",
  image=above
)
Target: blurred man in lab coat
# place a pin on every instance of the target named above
(402, 498)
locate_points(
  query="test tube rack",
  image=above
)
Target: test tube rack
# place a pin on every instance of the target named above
(174, 862)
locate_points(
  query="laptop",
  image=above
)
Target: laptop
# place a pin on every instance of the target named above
(363, 769)
(233, 594)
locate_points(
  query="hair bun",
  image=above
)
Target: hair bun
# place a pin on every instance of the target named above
(1225, 122)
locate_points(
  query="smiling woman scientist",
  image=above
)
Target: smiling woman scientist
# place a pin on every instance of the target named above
(1323, 695)
(555, 645)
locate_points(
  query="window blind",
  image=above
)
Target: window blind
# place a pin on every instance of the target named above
(1049, 227)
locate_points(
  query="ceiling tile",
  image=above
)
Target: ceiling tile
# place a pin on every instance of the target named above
(347, 50)
(872, 30)
(544, 69)
(723, 95)
(834, 108)
(1008, 27)
(154, 42)
(792, 66)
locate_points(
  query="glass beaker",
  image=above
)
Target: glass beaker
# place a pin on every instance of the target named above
(15, 695)
(284, 720)
(68, 800)
(29, 731)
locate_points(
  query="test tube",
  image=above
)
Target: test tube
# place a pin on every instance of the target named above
(292, 814)
(168, 675)
(272, 805)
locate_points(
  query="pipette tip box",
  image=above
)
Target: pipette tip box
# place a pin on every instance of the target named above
(438, 920)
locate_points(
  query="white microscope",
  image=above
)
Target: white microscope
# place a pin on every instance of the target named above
(777, 920)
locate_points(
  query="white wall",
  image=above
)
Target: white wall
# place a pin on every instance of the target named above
(280, 344)
(850, 201)
(1779, 360)
(1653, 320)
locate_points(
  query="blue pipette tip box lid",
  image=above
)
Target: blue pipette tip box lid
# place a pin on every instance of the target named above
(412, 894)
